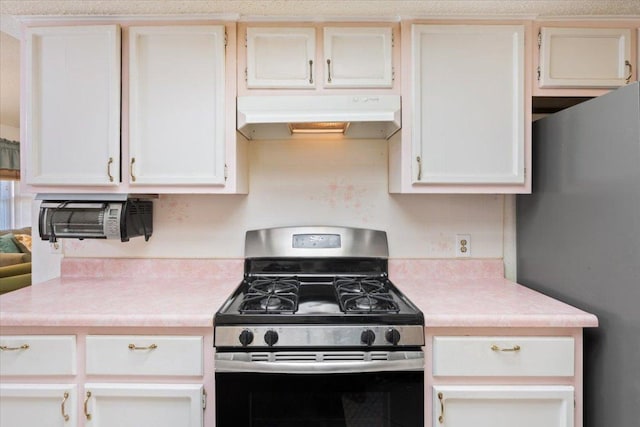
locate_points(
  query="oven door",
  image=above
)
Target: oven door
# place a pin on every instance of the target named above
(331, 389)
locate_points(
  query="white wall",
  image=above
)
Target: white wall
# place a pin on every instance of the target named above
(11, 133)
(308, 182)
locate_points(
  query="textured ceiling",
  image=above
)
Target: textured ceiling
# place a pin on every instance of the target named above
(306, 9)
(322, 8)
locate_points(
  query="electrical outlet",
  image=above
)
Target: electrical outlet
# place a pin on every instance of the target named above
(55, 248)
(463, 245)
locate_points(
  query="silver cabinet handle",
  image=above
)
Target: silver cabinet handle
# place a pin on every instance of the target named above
(310, 71)
(328, 71)
(628, 65)
(64, 400)
(133, 177)
(419, 160)
(6, 348)
(109, 169)
(441, 399)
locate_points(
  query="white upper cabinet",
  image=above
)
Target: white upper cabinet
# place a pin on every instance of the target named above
(282, 57)
(176, 105)
(468, 105)
(72, 105)
(358, 57)
(584, 57)
(343, 57)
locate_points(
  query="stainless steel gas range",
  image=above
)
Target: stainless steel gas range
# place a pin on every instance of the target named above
(316, 334)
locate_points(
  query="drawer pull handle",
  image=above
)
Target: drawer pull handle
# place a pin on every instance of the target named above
(86, 404)
(135, 347)
(64, 415)
(441, 399)
(514, 348)
(109, 169)
(22, 347)
(628, 65)
(133, 176)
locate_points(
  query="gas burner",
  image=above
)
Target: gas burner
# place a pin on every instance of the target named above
(270, 303)
(364, 295)
(271, 295)
(360, 285)
(274, 285)
(365, 303)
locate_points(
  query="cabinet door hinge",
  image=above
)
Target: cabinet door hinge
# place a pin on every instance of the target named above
(538, 72)
(246, 75)
(226, 38)
(204, 398)
(246, 38)
(539, 39)
(226, 172)
(393, 39)
(393, 74)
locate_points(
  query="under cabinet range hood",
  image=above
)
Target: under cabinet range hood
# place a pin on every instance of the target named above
(354, 116)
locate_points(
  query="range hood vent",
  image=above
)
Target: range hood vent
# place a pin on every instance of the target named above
(354, 116)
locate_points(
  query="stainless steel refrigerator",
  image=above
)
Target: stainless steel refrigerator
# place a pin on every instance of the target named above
(578, 240)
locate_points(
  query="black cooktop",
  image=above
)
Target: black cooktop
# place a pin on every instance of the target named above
(317, 291)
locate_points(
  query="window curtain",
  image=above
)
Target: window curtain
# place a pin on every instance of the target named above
(9, 160)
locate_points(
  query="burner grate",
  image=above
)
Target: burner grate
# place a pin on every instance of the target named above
(271, 295)
(364, 295)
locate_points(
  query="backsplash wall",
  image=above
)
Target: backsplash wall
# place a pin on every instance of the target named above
(311, 182)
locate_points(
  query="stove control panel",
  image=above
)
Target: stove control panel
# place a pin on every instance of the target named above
(306, 336)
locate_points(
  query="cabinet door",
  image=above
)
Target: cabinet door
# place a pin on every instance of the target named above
(584, 57)
(468, 104)
(358, 57)
(502, 406)
(72, 105)
(281, 58)
(38, 405)
(176, 105)
(135, 405)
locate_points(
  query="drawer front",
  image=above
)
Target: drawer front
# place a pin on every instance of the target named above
(503, 356)
(144, 355)
(38, 355)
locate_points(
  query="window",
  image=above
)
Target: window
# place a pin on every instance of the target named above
(15, 207)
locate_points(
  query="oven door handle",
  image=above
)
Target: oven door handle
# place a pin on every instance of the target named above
(242, 362)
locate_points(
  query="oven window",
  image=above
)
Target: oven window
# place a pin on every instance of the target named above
(383, 399)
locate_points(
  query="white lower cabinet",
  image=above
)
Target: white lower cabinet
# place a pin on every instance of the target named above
(139, 405)
(504, 381)
(38, 405)
(502, 406)
(132, 380)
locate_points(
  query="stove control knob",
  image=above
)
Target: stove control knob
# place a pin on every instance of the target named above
(368, 337)
(392, 336)
(246, 337)
(271, 337)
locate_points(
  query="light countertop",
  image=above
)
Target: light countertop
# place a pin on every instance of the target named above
(187, 293)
